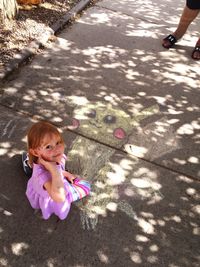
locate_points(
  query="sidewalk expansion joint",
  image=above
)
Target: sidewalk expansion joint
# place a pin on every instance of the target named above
(37, 118)
(126, 14)
(140, 158)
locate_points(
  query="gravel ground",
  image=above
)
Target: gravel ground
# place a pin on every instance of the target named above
(32, 21)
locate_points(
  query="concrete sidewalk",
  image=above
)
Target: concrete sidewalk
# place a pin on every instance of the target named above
(129, 112)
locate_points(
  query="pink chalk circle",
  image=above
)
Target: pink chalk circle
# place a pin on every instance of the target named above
(119, 133)
(75, 124)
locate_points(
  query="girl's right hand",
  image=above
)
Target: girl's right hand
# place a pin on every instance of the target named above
(70, 177)
(49, 165)
(55, 186)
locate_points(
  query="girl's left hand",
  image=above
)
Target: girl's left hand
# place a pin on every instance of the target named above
(70, 177)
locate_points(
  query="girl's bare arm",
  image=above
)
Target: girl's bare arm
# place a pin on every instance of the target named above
(55, 187)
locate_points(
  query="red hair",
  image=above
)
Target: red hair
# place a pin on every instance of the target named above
(36, 135)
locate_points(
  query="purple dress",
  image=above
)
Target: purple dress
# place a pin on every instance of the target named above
(40, 199)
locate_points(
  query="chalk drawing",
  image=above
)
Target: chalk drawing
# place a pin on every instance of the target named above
(90, 219)
(109, 125)
(87, 222)
(127, 209)
(11, 131)
(153, 141)
(92, 160)
(8, 128)
(103, 123)
(90, 222)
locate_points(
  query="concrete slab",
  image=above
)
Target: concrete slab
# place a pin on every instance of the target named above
(138, 213)
(133, 113)
(166, 14)
(115, 62)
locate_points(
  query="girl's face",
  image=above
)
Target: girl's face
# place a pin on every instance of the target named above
(51, 148)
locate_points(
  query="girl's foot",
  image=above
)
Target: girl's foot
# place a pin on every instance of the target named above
(196, 51)
(169, 41)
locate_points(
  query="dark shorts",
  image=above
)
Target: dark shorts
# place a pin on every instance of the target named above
(193, 4)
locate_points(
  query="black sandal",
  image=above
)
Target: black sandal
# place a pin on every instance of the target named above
(196, 49)
(171, 39)
(27, 168)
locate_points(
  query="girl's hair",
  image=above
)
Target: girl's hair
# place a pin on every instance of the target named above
(36, 135)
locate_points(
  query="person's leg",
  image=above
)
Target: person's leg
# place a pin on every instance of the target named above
(79, 189)
(196, 51)
(187, 17)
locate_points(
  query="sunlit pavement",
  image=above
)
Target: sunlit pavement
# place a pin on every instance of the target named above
(132, 113)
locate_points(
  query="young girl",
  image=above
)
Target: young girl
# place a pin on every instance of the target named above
(51, 188)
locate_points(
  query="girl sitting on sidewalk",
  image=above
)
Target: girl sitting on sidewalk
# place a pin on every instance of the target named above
(51, 188)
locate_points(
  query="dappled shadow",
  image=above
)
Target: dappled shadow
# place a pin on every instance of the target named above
(32, 23)
(118, 61)
(47, 9)
(141, 213)
(162, 13)
(147, 219)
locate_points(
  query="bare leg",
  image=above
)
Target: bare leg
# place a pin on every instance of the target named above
(187, 17)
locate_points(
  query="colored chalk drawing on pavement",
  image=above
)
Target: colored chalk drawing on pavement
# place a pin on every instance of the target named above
(108, 124)
(153, 141)
(112, 126)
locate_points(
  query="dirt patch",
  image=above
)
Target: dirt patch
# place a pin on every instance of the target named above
(32, 21)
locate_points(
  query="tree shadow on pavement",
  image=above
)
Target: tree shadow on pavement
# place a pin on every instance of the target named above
(152, 217)
(149, 227)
